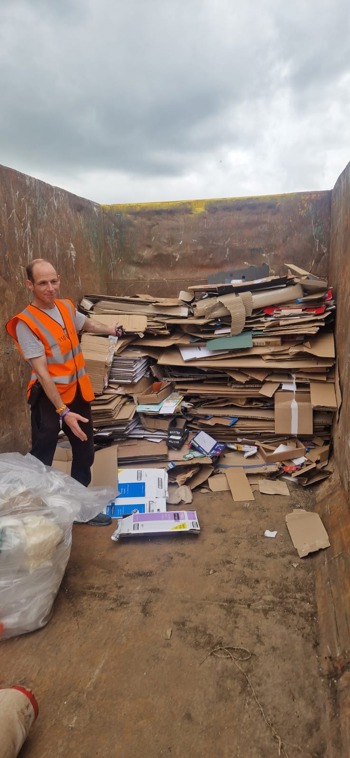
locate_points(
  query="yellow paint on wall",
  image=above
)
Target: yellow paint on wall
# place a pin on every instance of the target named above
(197, 206)
(200, 206)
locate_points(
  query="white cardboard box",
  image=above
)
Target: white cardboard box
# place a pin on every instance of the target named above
(148, 524)
(147, 488)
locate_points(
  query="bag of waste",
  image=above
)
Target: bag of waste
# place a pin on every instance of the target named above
(38, 506)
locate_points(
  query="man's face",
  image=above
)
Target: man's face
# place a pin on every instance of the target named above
(46, 285)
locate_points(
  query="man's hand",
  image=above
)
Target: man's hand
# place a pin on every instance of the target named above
(119, 331)
(96, 327)
(72, 419)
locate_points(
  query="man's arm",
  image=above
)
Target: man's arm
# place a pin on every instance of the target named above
(39, 365)
(96, 327)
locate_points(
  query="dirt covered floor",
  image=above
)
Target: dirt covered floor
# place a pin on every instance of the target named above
(185, 646)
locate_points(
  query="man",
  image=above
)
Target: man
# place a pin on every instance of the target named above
(59, 390)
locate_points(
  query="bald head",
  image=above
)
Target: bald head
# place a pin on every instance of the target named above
(43, 282)
(33, 264)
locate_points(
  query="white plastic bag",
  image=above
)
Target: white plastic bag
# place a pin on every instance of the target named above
(38, 506)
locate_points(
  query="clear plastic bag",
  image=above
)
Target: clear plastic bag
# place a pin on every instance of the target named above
(38, 506)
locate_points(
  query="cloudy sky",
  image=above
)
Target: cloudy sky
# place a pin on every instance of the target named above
(147, 100)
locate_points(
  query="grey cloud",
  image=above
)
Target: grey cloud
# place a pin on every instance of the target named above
(159, 89)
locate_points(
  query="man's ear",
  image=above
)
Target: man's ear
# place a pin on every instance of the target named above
(29, 285)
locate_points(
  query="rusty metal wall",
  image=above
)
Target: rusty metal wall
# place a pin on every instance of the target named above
(339, 274)
(163, 247)
(37, 220)
(158, 248)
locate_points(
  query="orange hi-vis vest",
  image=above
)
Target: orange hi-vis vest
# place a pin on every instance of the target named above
(65, 360)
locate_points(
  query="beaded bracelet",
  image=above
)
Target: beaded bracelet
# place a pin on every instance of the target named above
(67, 410)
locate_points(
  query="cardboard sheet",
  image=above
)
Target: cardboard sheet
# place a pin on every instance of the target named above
(239, 484)
(268, 389)
(270, 487)
(323, 395)
(218, 483)
(131, 323)
(306, 531)
(104, 471)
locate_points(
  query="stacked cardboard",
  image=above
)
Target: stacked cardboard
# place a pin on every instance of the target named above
(98, 354)
(249, 362)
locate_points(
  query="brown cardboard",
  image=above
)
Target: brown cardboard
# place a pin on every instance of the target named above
(319, 454)
(155, 423)
(338, 393)
(253, 465)
(130, 323)
(190, 463)
(306, 531)
(104, 471)
(63, 453)
(172, 357)
(239, 484)
(218, 483)
(293, 413)
(200, 476)
(295, 450)
(269, 388)
(155, 397)
(304, 470)
(323, 395)
(134, 452)
(323, 345)
(315, 477)
(270, 487)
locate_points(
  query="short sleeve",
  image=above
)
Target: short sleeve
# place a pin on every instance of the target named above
(30, 345)
(79, 321)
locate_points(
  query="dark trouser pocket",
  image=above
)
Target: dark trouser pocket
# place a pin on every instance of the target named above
(35, 394)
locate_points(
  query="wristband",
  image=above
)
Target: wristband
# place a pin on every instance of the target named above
(66, 410)
(61, 409)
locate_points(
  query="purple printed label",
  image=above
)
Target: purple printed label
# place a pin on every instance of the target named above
(164, 516)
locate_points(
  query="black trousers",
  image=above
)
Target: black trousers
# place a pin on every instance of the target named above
(46, 426)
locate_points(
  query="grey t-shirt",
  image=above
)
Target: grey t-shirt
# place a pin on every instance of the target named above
(30, 345)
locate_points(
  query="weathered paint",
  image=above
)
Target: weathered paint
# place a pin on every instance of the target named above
(37, 220)
(339, 272)
(162, 247)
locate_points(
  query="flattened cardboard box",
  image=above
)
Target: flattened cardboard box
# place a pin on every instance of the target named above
(139, 490)
(293, 413)
(170, 522)
(104, 472)
(239, 485)
(306, 531)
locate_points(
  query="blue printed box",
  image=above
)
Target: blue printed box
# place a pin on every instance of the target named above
(119, 511)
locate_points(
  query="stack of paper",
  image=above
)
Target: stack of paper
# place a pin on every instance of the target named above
(128, 367)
